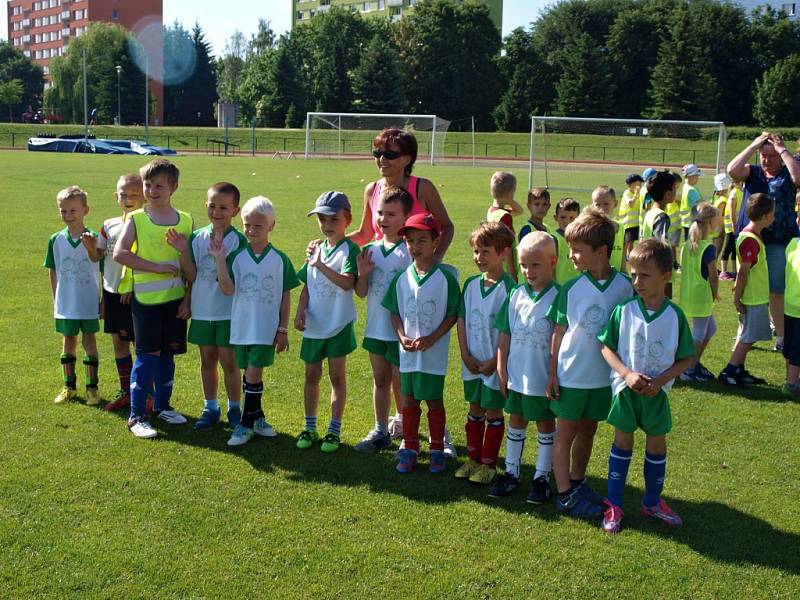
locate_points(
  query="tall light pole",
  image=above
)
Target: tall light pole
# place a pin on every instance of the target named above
(119, 101)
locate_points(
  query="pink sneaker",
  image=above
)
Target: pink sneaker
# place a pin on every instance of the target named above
(612, 518)
(725, 276)
(664, 513)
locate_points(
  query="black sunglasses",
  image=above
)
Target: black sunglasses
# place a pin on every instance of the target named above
(387, 154)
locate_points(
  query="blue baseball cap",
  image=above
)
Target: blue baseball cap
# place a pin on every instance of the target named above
(648, 173)
(330, 203)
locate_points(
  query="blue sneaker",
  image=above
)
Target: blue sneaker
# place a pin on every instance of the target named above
(234, 416)
(208, 418)
(438, 461)
(579, 505)
(588, 493)
(374, 442)
(406, 461)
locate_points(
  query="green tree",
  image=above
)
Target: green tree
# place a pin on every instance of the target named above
(190, 79)
(680, 85)
(282, 103)
(253, 83)
(107, 45)
(586, 87)
(230, 67)
(776, 103)
(377, 83)
(15, 65)
(11, 92)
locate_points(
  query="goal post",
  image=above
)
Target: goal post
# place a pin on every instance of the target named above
(350, 135)
(578, 153)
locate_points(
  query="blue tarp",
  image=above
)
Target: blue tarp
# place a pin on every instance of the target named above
(93, 146)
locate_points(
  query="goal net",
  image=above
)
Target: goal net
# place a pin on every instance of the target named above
(578, 154)
(350, 135)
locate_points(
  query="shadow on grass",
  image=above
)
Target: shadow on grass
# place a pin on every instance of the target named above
(712, 529)
(762, 393)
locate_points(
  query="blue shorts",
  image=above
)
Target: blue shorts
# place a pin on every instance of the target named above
(776, 264)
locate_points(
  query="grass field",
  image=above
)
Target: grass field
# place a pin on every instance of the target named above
(86, 510)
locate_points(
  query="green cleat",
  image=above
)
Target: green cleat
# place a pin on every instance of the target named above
(306, 439)
(330, 443)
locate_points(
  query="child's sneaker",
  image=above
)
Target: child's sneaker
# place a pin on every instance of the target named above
(330, 442)
(690, 374)
(750, 379)
(141, 428)
(92, 396)
(725, 276)
(731, 377)
(306, 439)
(484, 475)
(466, 470)
(234, 416)
(374, 442)
(663, 513)
(503, 485)
(395, 428)
(578, 504)
(241, 435)
(791, 390)
(450, 451)
(612, 518)
(65, 395)
(540, 491)
(208, 418)
(704, 372)
(438, 461)
(264, 429)
(171, 416)
(122, 399)
(406, 461)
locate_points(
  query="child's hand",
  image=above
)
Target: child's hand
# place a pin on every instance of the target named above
(300, 321)
(217, 248)
(176, 240)
(315, 258)
(423, 343)
(312, 247)
(407, 343)
(166, 268)
(281, 341)
(636, 381)
(125, 298)
(488, 367)
(740, 308)
(473, 365)
(185, 308)
(89, 241)
(552, 391)
(364, 262)
(652, 388)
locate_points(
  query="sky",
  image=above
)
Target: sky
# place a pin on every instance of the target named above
(219, 20)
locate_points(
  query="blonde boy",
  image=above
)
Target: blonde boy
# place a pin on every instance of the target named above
(72, 259)
(578, 385)
(481, 299)
(211, 309)
(523, 356)
(604, 198)
(260, 278)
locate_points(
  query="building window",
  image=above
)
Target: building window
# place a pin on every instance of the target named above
(37, 6)
(115, 15)
(27, 53)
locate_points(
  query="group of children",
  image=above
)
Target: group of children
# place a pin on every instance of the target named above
(576, 342)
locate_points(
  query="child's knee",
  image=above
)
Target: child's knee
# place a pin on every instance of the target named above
(313, 373)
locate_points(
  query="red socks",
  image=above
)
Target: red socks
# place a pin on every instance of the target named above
(436, 419)
(492, 442)
(411, 416)
(475, 428)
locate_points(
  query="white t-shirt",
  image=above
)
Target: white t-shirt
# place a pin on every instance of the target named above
(112, 270)
(584, 305)
(523, 316)
(330, 308)
(260, 282)
(646, 341)
(389, 260)
(423, 303)
(208, 301)
(78, 287)
(479, 306)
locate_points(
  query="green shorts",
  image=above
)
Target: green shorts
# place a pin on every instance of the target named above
(477, 392)
(388, 350)
(422, 386)
(210, 333)
(72, 327)
(342, 344)
(630, 411)
(255, 356)
(574, 404)
(532, 408)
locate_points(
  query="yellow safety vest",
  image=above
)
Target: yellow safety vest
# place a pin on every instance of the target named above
(757, 289)
(151, 244)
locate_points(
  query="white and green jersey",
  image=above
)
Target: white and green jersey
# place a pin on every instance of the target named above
(208, 301)
(423, 303)
(330, 308)
(523, 316)
(479, 307)
(647, 341)
(389, 260)
(260, 281)
(78, 287)
(112, 270)
(583, 306)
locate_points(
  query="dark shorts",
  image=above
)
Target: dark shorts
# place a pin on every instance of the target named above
(729, 248)
(791, 340)
(631, 234)
(117, 317)
(158, 328)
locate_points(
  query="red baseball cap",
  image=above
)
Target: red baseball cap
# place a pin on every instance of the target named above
(423, 221)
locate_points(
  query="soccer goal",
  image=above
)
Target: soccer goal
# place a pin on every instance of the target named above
(570, 153)
(350, 135)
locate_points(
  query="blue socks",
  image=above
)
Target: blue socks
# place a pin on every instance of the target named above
(142, 376)
(165, 374)
(335, 427)
(211, 404)
(618, 463)
(311, 423)
(655, 467)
